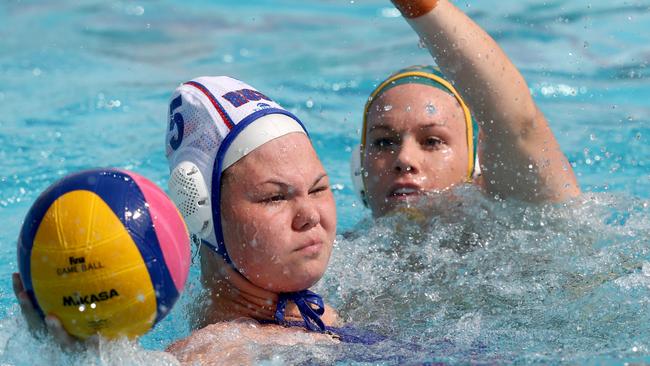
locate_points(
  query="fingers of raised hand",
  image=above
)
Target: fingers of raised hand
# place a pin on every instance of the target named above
(414, 8)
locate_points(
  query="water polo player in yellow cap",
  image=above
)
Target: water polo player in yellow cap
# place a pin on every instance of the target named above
(418, 136)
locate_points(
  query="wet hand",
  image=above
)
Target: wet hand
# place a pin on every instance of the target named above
(27, 308)
(414, 8)
(51, 324)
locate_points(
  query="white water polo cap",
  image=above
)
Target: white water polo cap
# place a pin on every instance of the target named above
(214, 122)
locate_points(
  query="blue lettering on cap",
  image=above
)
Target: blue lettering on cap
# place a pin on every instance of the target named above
(240, 97)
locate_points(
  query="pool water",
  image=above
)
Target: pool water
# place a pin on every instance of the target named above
(86, 84)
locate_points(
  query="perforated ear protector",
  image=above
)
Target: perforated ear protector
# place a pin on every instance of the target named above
(188, 190)
(356, 173)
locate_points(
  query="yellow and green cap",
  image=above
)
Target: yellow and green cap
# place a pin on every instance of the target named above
(425, 75)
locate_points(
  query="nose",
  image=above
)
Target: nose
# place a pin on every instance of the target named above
(406, 160)
(306, 217)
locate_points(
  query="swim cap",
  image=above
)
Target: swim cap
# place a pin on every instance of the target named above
(214, 122)
(425, 75)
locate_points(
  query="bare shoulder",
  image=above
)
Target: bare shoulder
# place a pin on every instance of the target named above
(232, 342)
(331, 317)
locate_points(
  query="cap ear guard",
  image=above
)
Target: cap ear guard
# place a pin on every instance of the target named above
(356, 173)
(188, 189)
(477, 168)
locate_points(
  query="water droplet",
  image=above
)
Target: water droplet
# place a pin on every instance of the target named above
(309, 103)
(113, 104)
(136, 10)
(388, 107)
(431, 109)
(390, 13)
(36, 71)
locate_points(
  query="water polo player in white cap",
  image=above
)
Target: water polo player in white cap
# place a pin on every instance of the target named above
(250, 186)
(418, 137)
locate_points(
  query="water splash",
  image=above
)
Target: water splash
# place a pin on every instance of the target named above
(483, 280)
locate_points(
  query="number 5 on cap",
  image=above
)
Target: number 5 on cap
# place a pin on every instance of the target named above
(176, 119)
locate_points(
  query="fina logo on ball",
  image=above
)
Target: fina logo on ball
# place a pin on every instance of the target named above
(77, 265)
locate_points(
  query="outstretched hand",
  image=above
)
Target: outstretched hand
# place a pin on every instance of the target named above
(51, 324)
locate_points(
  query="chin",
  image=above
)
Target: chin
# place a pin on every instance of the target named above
(302, 280)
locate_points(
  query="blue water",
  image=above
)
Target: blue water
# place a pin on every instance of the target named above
(86, 84)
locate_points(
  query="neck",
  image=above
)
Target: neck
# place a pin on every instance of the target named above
(232, 296)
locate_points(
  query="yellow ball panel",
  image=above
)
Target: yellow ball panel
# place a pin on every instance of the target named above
(88, 271)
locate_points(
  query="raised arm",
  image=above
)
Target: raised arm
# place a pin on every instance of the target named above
(518, 153)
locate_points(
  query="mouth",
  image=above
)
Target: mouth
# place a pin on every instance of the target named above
(402, 192)
(310, 248)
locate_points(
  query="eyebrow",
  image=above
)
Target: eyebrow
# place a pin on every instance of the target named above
(424, 127)
(284, 184)
(434, 125)
(320, 177)
(380, 127)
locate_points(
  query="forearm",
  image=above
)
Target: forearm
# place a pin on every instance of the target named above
(492, 86)
(518, 151)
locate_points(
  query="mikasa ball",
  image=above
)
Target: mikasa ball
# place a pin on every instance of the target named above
(106, 251)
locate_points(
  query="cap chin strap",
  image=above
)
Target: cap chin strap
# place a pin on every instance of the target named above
(188, 190)
(309, 304)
